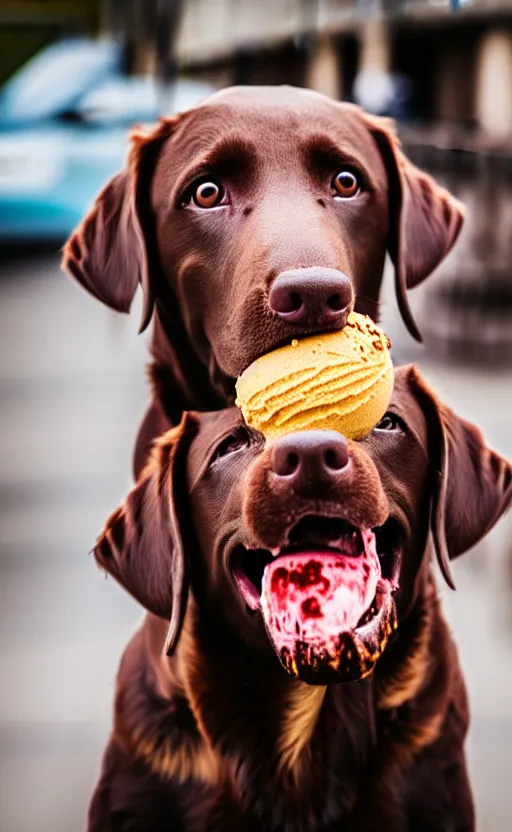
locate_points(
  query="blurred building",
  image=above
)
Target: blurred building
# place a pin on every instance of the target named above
(426, 61)
(449, 60)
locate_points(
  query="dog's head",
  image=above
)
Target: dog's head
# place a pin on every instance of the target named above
(311, 543)
(261, 215)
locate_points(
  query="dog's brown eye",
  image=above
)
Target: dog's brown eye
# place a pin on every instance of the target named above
(390, 422)
(236, 441)
(208, 194)
(345, 184)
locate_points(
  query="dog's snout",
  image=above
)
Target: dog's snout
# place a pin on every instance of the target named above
(312, 297)
(310, 460)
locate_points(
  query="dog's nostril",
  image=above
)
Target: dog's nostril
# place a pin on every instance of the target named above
(290, 464)
(285, 462)
(285, 300)
(336, 458)
(335, 302)
(295, 302)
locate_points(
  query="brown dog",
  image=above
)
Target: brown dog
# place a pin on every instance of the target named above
(259, 216)
(234, 546)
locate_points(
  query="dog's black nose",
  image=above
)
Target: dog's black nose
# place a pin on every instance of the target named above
(310, 460)
(313, 297)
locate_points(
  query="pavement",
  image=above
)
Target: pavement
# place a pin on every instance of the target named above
(72, 392)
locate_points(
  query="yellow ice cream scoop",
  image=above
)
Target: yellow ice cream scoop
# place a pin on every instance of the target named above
(338, 381)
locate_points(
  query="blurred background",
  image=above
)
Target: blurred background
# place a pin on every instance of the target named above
(76, 74)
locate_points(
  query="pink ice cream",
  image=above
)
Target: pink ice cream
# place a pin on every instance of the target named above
(314, 605)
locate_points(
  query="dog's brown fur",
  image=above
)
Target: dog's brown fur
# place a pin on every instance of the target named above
(207, 274)
(210, 732)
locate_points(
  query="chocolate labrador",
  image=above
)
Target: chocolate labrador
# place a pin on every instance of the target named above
(295, 672)
(261, 215)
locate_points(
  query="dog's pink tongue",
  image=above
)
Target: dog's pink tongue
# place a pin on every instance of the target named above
(310, 598)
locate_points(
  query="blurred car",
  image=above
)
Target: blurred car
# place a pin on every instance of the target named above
(65, 119)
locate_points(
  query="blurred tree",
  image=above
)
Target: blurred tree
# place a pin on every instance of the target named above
(148, 29)
(167, 20)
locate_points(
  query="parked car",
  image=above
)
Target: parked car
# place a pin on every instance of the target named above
(65, 119)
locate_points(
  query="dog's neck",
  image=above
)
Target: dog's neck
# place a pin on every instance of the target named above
(272, 731)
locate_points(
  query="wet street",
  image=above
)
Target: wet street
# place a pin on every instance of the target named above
(72, 392)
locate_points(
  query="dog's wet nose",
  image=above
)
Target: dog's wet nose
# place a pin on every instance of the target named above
(310, 460)
(313, 297)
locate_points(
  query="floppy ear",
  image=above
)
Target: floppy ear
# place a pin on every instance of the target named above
(110, 253)
(142, 545)
(472, 485)
(424, 219)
